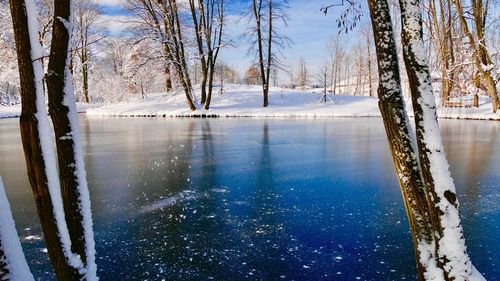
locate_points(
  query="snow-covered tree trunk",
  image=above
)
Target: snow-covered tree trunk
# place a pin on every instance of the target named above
(37, 142)
(450, 247)
(427, 187)
(35, 135)
(13, 264)
(37, 139)
(62, 108)
(396, 121)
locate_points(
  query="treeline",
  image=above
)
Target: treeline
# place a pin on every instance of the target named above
(175, 46)
(461, 40)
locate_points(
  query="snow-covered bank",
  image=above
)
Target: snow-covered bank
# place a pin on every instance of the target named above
(245, 101)
(10, 111)
(15, 110)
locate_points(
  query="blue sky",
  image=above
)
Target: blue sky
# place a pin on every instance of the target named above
(308, 28)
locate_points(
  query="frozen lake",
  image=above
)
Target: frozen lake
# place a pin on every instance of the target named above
(257, 199)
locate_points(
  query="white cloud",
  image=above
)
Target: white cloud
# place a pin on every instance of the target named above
(116, 24)
(111, 2)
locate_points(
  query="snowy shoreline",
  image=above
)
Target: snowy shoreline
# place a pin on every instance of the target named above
(307, 116)
(14, 111)
(244, 101)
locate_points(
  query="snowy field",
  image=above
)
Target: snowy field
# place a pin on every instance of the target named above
(246, 101)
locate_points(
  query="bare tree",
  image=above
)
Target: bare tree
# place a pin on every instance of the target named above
(477, 41)
(367, 33)
(265, 39)
(208, 21)
(45, 17)
(9, 74)
(134, 69)
(162, 18)
(86, 14)
(176, 47)
(302, 73)
(359, 68)
(336, 55)
(441, 24)
(323, 78)
(151, 27)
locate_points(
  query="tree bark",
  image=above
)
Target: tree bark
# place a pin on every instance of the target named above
(56, 81)
(438, 184)
(4, 270)
(396, 122)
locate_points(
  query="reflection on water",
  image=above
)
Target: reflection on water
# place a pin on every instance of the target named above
(197, 199)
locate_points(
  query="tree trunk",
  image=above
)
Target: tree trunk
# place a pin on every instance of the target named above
(212, 37)
(166, 50)
(85, 77)
(56, 81)
(173, 26)
(439, 186)
(210, 87)
(66, 128)
(269, 53)
(396, 122)
(339, 64)
(258, 18)
(30, 135)
(370, 86)
(168, 79)
(334, 85)
(84, 60)
(199, 41)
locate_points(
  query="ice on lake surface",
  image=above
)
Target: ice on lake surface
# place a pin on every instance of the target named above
(257, 199)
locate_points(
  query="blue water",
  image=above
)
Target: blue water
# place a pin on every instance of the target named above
(257, 199)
